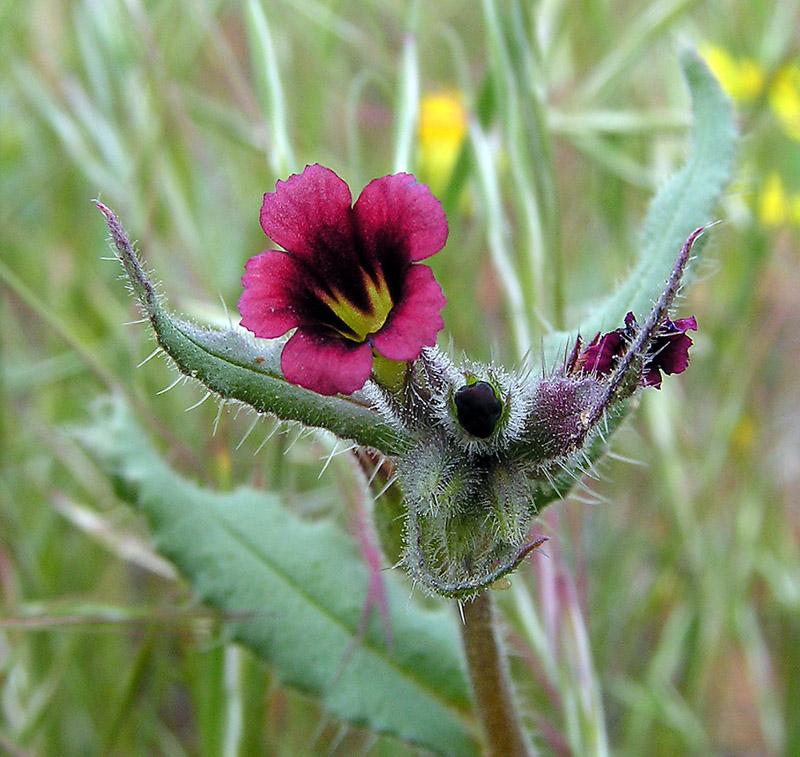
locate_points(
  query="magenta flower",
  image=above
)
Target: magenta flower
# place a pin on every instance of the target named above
(669, 351)
(349, 279)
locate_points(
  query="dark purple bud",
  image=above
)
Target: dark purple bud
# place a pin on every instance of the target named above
(670, 350)
(601, 353)
(556, 424)
(478, 408)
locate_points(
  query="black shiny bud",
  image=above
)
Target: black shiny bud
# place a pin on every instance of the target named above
(478, 408)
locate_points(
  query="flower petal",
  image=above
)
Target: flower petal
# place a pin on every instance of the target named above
(415, 320)
(600, 356)
(274, 288)
(674, 358)
(671, 351)
(305, 208)
(277, 296)
(310, 216)
(685, 324)
(652, 376)
(672, 346)
(325, 364)
(398, 218)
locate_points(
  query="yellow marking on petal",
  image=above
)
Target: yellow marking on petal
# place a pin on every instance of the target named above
(772, 204)
(742, 78)
(362, 323)
(784, 97)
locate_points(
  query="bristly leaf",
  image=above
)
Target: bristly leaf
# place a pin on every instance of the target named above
(294, 592)
(684, 203)
(236, 367)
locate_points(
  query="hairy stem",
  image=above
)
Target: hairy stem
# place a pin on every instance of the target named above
(495, 702)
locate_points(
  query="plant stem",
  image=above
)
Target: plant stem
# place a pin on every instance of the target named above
(495, 702)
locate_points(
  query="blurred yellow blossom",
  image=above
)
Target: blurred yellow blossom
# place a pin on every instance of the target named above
(772, 202)
(744, 434)
(442, 128)
(776, 207)
(784, 97)
(742, 78)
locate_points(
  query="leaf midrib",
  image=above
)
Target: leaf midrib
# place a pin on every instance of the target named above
(460, 715)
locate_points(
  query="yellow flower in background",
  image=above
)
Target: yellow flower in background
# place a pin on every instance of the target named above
(744, 435)
(744, 80)
(741, 78)
(784, 97)
(442, 128)
(776, 207)
(772, 202)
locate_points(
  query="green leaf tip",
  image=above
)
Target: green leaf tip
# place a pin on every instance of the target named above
(293, 592)
(685, 202)
(238, 367)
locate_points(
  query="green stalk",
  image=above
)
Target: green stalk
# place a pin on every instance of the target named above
(495, 702)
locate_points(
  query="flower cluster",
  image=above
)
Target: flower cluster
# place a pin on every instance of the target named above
(776, 92)
(487, 445)
(776, 206)
(668, 352)
(348, 278)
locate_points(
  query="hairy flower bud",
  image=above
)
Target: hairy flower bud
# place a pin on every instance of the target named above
(493, 445)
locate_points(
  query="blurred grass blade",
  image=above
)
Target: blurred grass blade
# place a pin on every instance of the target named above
(654, 19)
(614, 160)
(498, 234)
(323, 15)
(125, 546)
(684, 203)
(407, 107)
(280, 153)
(596, 122)
(298, 589)
(68, 129)
(519, 113)
(762, 675)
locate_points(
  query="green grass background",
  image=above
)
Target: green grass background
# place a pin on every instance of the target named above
(179, 114)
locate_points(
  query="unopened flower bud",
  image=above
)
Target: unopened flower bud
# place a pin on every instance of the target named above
(478, 408)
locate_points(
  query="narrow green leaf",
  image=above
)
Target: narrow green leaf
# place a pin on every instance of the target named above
(237, 367)
(632, 44)
(683, 204)
(281, 154)
(294, 592)
(407, 105)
